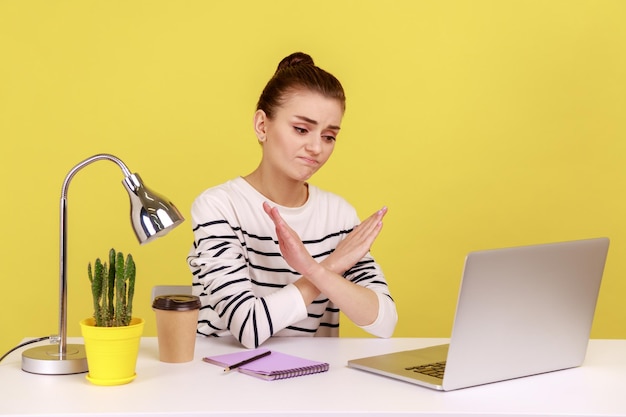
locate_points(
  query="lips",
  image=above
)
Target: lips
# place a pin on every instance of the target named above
(308, 161)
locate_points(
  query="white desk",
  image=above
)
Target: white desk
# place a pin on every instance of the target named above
(197, 388)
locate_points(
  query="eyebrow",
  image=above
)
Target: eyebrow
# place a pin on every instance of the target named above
(314, 122)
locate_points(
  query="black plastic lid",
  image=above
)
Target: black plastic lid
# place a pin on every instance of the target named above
(176, 302)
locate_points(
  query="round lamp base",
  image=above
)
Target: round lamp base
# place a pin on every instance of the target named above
(46, 360)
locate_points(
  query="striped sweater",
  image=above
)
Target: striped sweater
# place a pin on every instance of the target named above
(245, 285)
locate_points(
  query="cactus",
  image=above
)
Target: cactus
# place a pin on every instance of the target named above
(113, 289)
(111, 283)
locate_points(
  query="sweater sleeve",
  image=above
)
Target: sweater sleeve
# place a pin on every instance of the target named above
(385, 323)
(368, 274)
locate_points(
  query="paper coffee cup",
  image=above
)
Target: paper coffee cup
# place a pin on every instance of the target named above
(177, 320)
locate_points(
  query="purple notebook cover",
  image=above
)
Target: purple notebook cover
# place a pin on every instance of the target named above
(277, 365)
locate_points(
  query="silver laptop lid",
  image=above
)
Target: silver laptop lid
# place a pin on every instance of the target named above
(524, 310)
(521, 311)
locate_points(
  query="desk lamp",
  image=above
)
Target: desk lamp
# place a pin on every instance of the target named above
(151, 215)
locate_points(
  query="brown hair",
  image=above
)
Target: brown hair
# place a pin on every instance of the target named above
(298, 71)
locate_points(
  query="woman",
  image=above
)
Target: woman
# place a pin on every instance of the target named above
(274, 255)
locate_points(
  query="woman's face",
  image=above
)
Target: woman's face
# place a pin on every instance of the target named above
(300, 137)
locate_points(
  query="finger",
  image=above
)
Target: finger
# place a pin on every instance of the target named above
(371, 223)
(273, 213)
(378, 215)
(278, 219)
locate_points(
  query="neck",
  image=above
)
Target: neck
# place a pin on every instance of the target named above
(285, 192)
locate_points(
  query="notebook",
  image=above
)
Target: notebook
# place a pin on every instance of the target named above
(276, 365)
(521, 311)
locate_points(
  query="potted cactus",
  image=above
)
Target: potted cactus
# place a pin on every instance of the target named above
(112, 335)
(113, 289)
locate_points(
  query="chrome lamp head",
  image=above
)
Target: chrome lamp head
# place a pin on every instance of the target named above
(152, 216)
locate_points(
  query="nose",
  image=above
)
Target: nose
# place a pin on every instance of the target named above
(314, 144)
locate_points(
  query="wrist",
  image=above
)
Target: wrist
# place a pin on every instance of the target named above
(308, 291)
(331, 266)
(316, 272)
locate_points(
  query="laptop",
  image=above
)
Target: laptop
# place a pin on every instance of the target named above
(521, 311)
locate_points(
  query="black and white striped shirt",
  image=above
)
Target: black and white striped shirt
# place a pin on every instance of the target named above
(245, 284)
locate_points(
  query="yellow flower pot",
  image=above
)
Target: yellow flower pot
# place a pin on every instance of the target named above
(111, 351)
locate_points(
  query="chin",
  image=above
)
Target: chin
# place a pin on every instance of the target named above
(306, 177)
(303, 176)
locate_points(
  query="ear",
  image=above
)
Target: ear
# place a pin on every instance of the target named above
(260, 125)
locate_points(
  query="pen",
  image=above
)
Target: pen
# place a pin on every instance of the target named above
(252, 359)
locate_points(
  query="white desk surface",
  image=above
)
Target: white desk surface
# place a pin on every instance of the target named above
(598, 388)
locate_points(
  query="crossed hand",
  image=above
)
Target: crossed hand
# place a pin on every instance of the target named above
(347, 253)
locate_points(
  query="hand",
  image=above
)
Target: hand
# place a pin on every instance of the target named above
(290, 244)
(352, 249)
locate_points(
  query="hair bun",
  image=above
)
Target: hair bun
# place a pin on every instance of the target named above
(298, 72)
(297, 58)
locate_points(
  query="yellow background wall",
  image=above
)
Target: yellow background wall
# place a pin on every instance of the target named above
(480, 124)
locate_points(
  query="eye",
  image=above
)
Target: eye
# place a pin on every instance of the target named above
(300, 130)
(329, 138)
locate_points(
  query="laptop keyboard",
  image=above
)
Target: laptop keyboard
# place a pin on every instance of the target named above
(435, 370)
